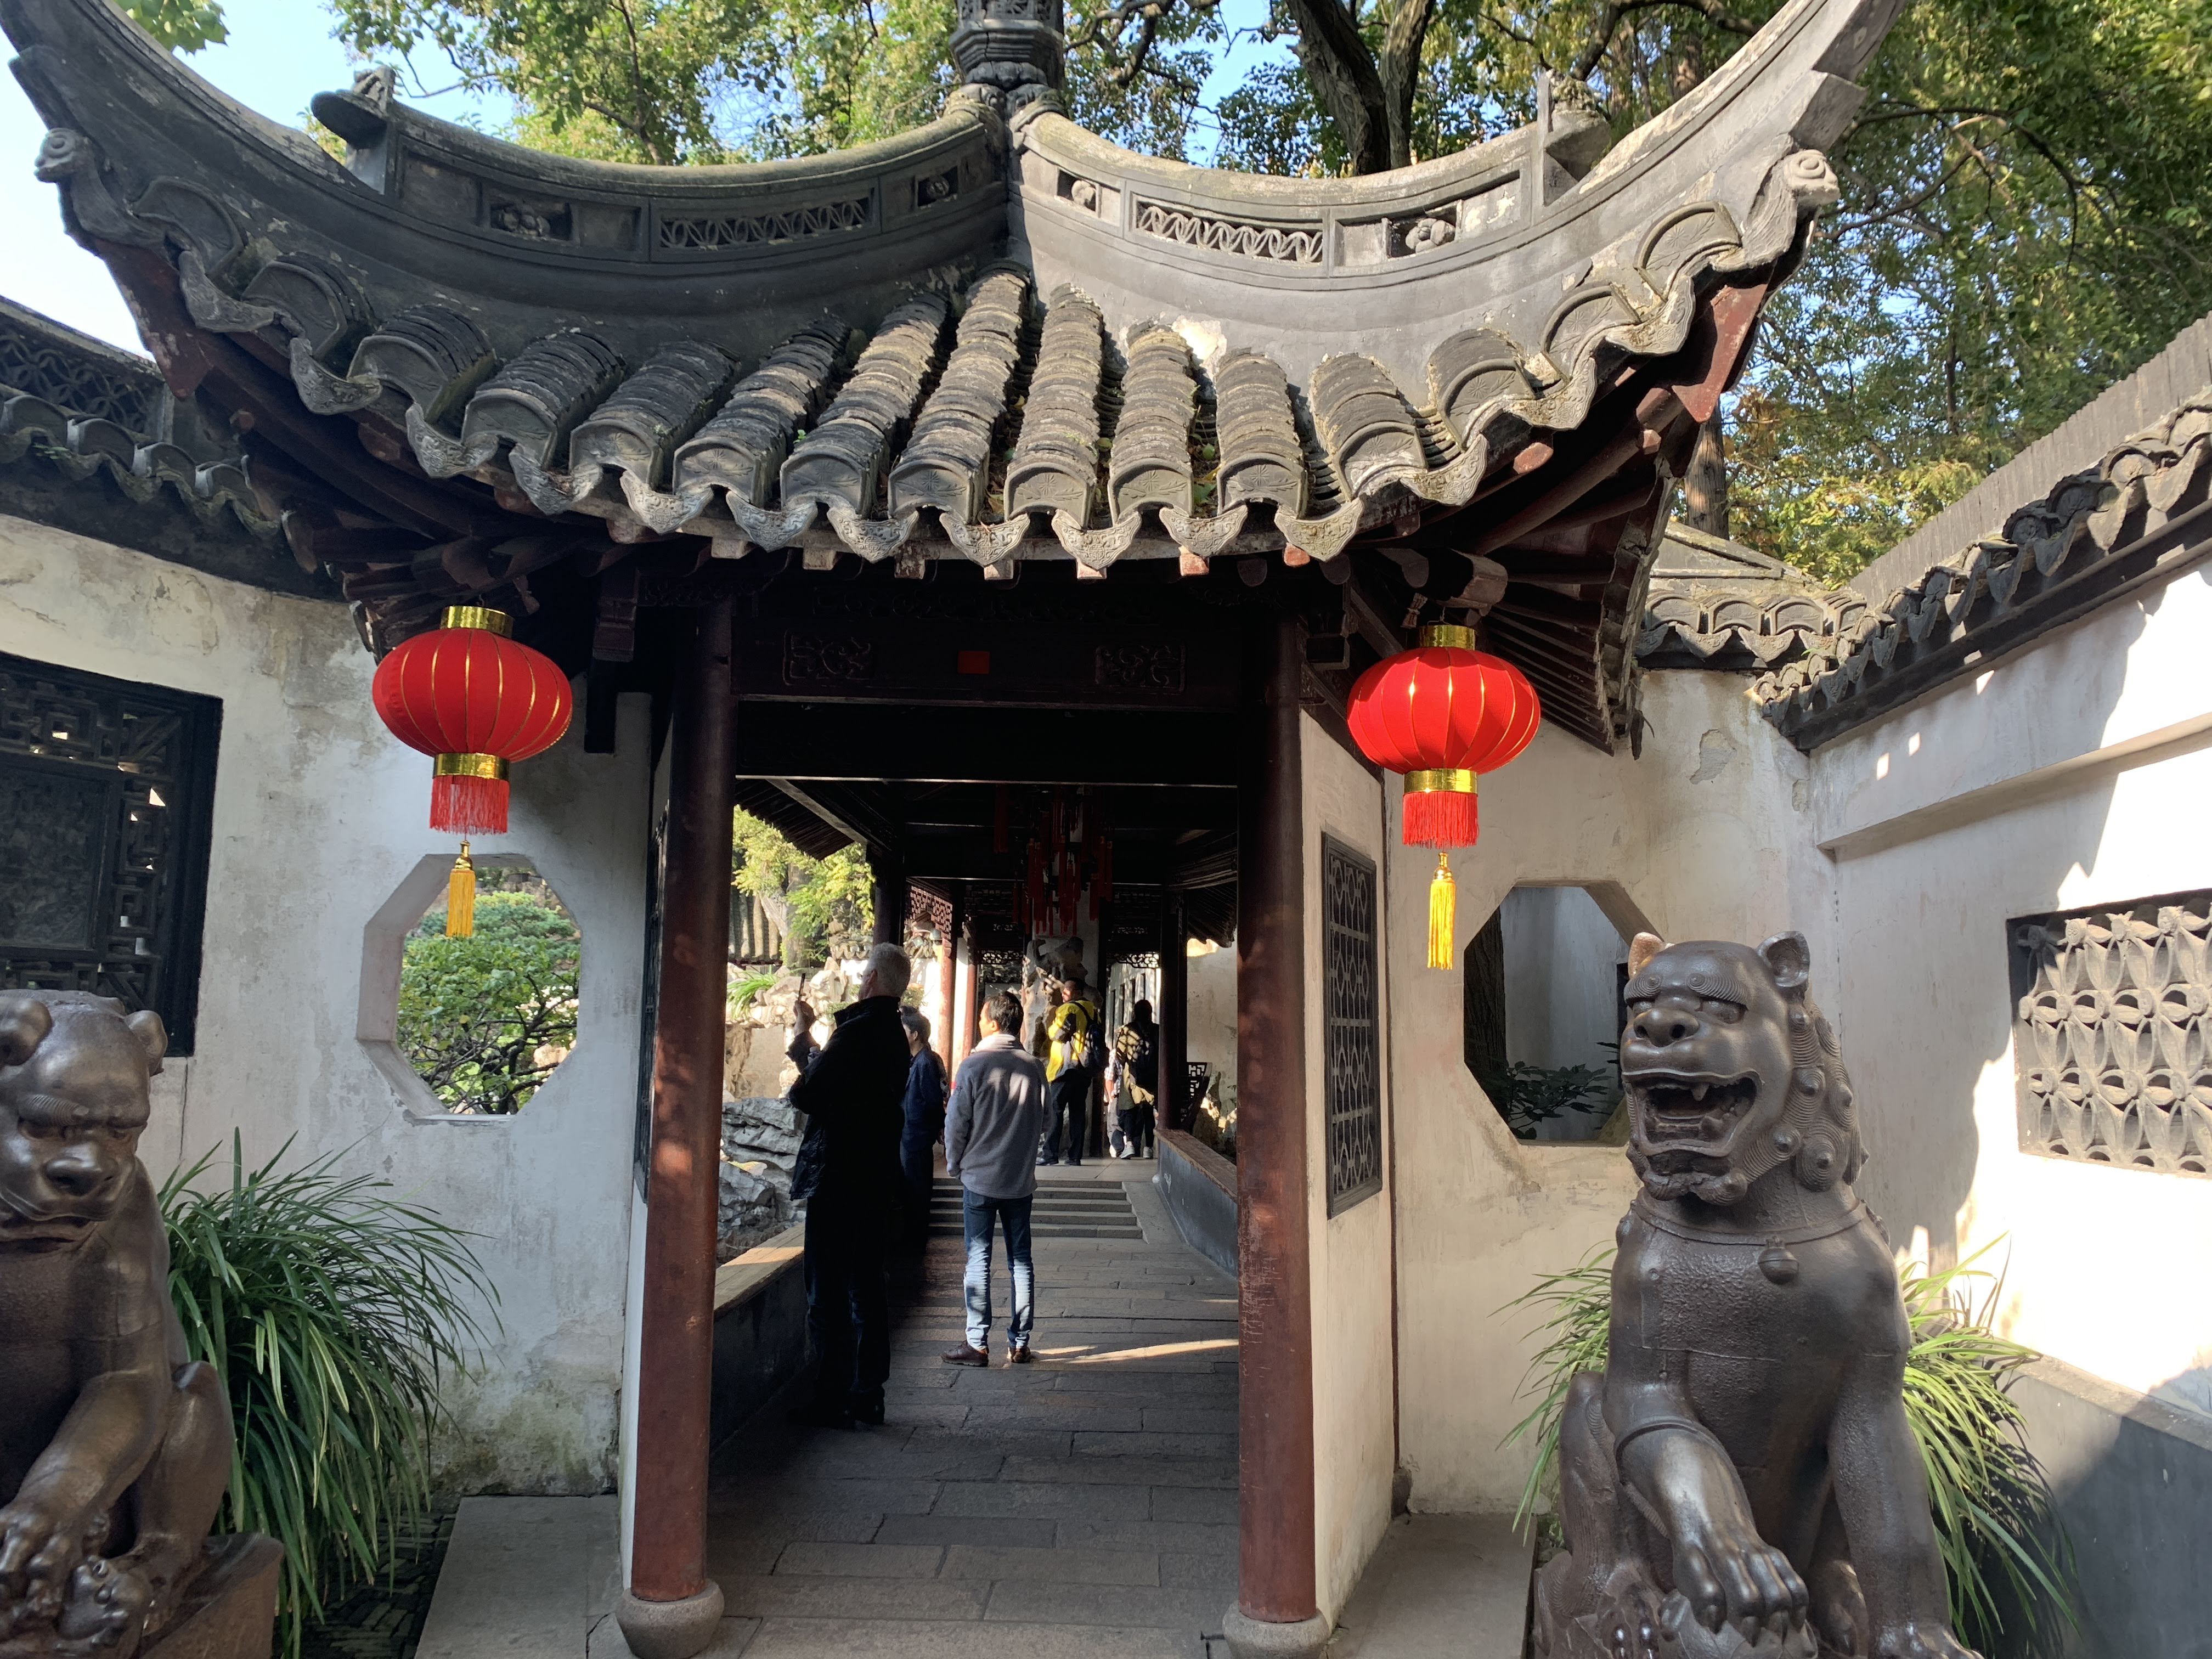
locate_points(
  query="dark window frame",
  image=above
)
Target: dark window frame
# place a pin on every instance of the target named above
(141, 738)
(1352, 1025)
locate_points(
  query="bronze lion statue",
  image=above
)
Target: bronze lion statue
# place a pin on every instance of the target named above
(1741, 1480)
(114, 1450)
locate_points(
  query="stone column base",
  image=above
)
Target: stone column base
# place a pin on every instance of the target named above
(671, 1630)
(1253, 1638)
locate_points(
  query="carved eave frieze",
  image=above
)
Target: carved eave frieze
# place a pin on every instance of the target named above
(92, 441)
(994, 340)
(1715, 604)
(2135, 519)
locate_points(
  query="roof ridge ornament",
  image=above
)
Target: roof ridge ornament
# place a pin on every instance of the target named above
(1016, 47)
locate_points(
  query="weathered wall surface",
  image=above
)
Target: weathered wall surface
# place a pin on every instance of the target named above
(1210, 1011)
(2076, 773)
(318, 818)
(1697, 840)
(1354, 1431)
(1561, 959)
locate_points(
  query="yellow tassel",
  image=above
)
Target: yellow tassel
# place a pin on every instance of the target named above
(1442, 905)
(461, 898)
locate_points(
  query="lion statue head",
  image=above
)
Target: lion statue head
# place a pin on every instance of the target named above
(1731, 1072)
(73, 1101)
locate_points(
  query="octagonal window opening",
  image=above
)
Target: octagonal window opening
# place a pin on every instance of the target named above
(484, 1022)
(1543, 985)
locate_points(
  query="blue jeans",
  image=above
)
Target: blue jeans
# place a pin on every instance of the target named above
(977, 1215)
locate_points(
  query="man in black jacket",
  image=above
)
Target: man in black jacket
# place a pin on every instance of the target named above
(848, 1171)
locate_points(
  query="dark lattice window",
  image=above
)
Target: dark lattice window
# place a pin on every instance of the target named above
(2112, 1033)
(1350, 1026)
(106, 789)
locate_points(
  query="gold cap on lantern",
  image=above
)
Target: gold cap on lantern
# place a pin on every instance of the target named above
(480, 616)
(1456, 779)
(1452, 637)
(469, 766)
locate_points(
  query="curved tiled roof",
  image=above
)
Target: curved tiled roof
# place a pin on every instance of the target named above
(2128, 520)
(994, 339)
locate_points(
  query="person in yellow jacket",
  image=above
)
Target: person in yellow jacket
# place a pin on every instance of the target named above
(1073, 1055)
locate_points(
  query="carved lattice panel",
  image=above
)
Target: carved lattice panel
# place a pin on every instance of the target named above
(72, 380)
(105, 790)
(2111, 1036)
(1351, 1026)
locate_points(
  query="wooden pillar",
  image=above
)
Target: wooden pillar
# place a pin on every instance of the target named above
(1173, 1015)
(887, 878)
(948, 981)
(966, 996)
(1276, 1613)
(672, 1608)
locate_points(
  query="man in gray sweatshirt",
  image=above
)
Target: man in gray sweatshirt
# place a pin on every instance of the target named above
(991, 1135)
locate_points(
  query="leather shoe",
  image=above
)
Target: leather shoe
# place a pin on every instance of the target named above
(867, 1412)
(965, 1355)
(1020, 1356)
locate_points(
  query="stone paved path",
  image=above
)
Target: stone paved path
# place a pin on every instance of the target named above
(1085, 1505)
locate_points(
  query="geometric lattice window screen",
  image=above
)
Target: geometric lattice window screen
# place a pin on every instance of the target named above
(2111, 1037)
(1351, 1027)
(106, 791)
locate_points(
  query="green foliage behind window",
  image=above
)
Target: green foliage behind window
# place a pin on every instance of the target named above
(484, 1020)
(824, 906)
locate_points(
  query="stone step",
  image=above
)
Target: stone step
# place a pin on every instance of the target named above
(1063, 1209)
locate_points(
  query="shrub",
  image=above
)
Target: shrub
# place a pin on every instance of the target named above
(2005, 1553)
(476, 1014)
(333, 1313)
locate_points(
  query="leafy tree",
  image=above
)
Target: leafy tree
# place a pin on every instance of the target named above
(477, 1014)
(179, 25)
(825, 906)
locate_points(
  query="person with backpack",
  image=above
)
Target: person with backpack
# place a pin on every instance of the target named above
(1130, 1071)
(1073, 1057)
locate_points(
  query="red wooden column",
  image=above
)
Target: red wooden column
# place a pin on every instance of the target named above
(948, 985)
(888, 887)
(1174, 1016)
(1276, 1613)
(969, 993)
(672, 1609)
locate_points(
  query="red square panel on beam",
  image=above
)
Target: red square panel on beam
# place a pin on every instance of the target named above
(974, 662)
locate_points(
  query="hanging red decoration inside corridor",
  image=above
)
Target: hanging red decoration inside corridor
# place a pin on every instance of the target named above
(468, 695)
(1443, 714)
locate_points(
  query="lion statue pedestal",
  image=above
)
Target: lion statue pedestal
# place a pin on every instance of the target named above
(115, 1447)
(1740, 1483)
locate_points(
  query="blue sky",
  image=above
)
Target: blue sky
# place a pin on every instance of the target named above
(279, 55)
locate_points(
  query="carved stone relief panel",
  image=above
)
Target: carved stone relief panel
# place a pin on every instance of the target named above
(2111, 1039)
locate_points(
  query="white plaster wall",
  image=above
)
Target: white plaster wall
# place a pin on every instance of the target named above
(1210, 1012)
(1561, 960)
(318, 816)
(1702, 837)
(1354, 1426)
(2072, 774)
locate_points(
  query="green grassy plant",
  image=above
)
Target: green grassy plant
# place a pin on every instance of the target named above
(333, 1313)
(2011, 1568)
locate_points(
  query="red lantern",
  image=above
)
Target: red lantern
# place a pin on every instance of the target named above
(469, 696)
(1443, 714)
